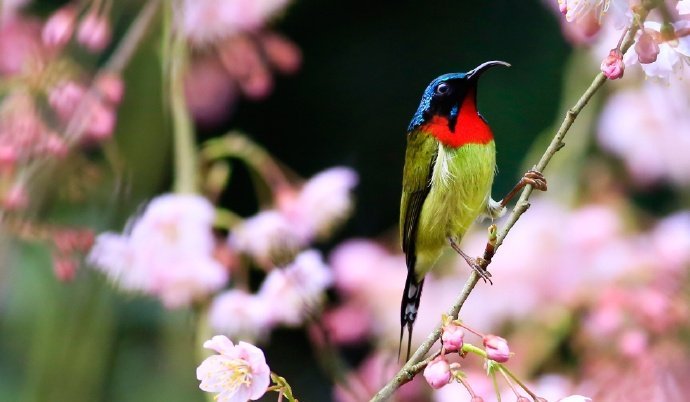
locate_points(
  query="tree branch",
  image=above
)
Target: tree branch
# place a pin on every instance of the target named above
(417, 362)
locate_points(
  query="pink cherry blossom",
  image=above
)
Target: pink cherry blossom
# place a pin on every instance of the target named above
(353, 262)
(321, 204)
(97, 116)
(64, 98)
(207, 21)
(348, 324)
(210, 93)
(55, 146)
(238, 373)
(168, 252)
(496, 348)
(94, 32)
(240, 315)
(673, 54)
(23, 133)
(282, 53)
(8, 157)
(452, 337)
(100, 121)
(15, 198)
(268, 237)
(607, 315)
(646, 48)
(683, 7)
(670, 239)
(20, 45)
(296, 290)
(64, 267)
(616, 10)
(646, 127)
(111, 87)
(437, 372)
(9, 9)
(59, 27)
(633, 343)
(612, 66)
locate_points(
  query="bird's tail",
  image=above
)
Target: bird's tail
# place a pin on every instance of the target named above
(408, 308)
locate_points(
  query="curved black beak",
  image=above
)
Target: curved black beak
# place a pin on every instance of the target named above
(477, 71)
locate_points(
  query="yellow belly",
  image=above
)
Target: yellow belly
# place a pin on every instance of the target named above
(461, 186)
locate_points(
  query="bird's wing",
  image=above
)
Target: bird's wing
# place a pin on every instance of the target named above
(420, 157)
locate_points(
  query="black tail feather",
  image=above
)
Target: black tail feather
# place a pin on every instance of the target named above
(412, 295)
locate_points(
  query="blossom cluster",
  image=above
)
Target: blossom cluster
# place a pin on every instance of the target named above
(236, 53)
(168, 251)
(53, 106)
(588, 259)
(661, 47)
(642, 123)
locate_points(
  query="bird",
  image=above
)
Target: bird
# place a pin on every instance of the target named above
(450, 163)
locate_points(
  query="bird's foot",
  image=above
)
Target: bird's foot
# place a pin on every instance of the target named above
(478, 265)
(535, 179)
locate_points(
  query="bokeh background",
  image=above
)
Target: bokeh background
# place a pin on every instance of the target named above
(364, 66)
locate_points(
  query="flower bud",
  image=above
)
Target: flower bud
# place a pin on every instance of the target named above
(452, 337)
(284, 55)
(646, 48)
(437, 372)
(111, 87)
(94, 32)
(8, 157)
(59, 27)
(100, 122)
(612, 66)
(64, 267)
(523, 399)
(15, 198)
(64, 98)
(496, 348)
(55, 146)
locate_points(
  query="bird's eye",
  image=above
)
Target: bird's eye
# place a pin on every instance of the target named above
(442, 89)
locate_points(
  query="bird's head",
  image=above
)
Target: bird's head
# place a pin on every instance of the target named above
(449, 97)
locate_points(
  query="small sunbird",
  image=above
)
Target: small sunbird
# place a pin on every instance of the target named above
(450, 162)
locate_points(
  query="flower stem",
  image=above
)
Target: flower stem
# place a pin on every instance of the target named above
(469, 348)
(513, 377)
(183, 130)
(237, 145)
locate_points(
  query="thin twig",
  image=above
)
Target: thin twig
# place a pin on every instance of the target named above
(406, 373)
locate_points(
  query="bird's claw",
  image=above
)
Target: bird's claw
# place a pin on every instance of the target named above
(535, 179)
(478, 265)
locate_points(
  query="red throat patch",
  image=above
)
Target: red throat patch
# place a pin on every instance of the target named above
(469, 128)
